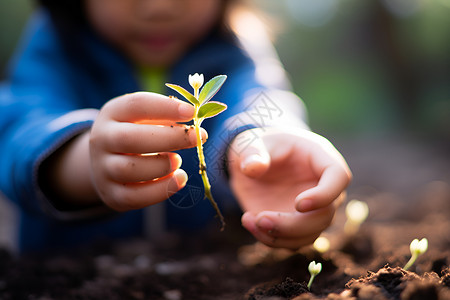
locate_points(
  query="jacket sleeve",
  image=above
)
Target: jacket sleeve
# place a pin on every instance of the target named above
(38, 113)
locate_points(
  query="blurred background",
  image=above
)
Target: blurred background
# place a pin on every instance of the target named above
(375, 76)
(13, 17)
(368, 66)
(360, 66)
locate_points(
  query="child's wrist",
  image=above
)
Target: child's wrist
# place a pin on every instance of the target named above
(67, 180)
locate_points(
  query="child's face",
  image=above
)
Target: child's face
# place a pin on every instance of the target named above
(153, 32)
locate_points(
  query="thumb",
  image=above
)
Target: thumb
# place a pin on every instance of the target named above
(253, 157)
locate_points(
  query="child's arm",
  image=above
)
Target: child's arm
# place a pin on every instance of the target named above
(289, 182)
(110, 164)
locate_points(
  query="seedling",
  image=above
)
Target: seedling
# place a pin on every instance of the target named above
(356, 212)
(417, 248)
(313, 269)
(204, 108)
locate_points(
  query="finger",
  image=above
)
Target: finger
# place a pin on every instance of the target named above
(253, 158)
(249, 222)
(142, 138)
(138, 168)
(142, 106)
(287, 243)
(294, 224)
(333, 181)
(124, 197)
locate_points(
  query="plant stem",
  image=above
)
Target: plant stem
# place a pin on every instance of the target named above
(311, 281)
(202, 170)
(410, 262)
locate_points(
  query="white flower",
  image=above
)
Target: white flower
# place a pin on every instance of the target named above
(196, 81)
(356, 211)
(314, 268)
(418, 247)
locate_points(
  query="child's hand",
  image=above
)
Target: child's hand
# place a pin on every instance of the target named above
(128, 128)
(287, 182)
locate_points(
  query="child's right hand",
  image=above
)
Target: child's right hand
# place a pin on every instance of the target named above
(130, 143)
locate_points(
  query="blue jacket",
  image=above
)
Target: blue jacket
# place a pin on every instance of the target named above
(52, 94)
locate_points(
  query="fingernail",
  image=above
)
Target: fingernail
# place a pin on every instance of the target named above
(180, 177)
(175, 162)
(252, 159)
(265, 224)
(204, 134)
(193, 134)
(186, 111)
(248, 222)
(179, 161)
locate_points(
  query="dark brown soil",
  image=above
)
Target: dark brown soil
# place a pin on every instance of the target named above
(229, 265)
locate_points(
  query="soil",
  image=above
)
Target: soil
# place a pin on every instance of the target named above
(229, 265)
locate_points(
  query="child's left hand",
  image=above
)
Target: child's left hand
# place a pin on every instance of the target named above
(288, 182)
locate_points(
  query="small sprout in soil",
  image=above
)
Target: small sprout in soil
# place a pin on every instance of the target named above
(313, 269)
(417, 248)
(321, 244)
(203, 109)
(356, 212)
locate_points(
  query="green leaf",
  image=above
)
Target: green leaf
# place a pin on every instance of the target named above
(184, 93)
(211, 109)
(211, 88)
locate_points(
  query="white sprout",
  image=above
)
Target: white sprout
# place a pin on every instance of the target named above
(417, 248)
(313, 269)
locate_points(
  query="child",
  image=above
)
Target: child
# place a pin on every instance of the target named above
(83, 152)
